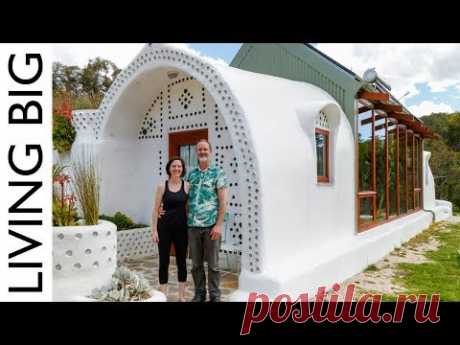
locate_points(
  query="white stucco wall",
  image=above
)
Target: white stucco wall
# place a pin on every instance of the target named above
(442, 209)
(297, 234)
(301, 216)
(428, 183)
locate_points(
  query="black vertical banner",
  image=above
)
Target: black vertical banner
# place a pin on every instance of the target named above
(25, 189)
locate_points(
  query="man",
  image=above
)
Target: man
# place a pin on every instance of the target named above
(207, 202)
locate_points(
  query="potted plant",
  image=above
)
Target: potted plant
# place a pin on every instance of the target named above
(84, 249)
(126, 286)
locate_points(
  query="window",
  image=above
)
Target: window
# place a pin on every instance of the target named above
(366, 193)
(380, 164)
(418, 171)
(322, 154)
(183, 144)
(392, 187)
(389, 168)
(402, 170)
(322, 147)
(410, 170)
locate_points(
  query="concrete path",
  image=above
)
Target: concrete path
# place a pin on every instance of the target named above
(148, 266)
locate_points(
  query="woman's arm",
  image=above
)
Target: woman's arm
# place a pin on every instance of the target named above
(186, 187)
(158, 196)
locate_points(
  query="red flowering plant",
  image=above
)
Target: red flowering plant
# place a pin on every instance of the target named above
(64, 209)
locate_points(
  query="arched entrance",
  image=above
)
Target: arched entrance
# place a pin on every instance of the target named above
(165, 91)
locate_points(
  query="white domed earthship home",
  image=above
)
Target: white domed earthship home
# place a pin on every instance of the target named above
(327, 172)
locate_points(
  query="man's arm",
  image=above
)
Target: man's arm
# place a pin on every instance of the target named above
(217, 229)
(222, 194)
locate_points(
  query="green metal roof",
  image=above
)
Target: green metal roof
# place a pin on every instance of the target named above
(302, 62)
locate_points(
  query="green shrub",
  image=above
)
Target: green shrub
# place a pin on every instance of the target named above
(122, 221)
(63, 134)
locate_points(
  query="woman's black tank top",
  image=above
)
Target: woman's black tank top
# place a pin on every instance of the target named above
(174, 206)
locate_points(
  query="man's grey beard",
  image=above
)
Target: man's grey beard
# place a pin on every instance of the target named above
(203, 159)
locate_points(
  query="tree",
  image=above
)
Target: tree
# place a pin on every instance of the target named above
(84, 87)
(445, 155)
(96, 78)
(66, 79)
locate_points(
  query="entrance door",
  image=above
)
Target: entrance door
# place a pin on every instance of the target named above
(183, 144)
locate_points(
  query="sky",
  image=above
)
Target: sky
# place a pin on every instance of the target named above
(429, 72)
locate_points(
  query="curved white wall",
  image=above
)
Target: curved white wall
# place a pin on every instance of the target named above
(442, 209)
(428, 183)
(300, 216)
(296, 232)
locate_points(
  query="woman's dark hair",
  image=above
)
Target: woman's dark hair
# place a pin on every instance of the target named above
(176, 158)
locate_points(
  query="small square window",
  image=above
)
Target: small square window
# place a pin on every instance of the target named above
(322, 154)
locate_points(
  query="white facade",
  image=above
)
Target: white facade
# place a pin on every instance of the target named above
(293, 233)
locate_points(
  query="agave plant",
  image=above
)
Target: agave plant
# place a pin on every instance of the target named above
(126, 286)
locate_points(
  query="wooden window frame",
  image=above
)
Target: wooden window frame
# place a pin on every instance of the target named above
(406, 192)
(176, 139)
(409, 191)
(324, 178)
(396, 165)
(398, 193)
(418, 173)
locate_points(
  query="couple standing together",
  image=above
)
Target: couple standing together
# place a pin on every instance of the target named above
(191, 212)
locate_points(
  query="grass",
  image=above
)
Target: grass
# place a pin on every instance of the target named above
(371, 268)
(440, 275)
(424, 236)
(385, 297)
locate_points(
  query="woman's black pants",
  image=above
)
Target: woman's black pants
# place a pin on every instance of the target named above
(179, 238)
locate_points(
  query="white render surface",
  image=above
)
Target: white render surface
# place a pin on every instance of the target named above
(293, 233)
(84, 258)
(442, 209)
(428, 183)
(333, 262)
(135, 243)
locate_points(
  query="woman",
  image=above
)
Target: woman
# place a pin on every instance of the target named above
(171, 227)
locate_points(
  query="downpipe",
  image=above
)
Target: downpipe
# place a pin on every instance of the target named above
(432, 212)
